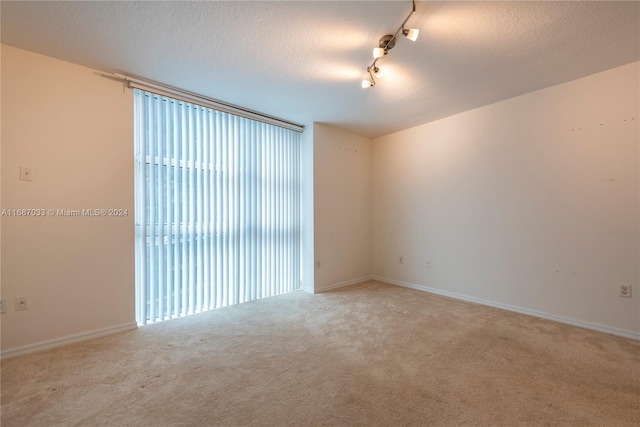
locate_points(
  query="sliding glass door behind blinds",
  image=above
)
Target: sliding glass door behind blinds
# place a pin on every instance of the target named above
(217, 208)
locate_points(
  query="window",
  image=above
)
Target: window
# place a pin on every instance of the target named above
(217, 208)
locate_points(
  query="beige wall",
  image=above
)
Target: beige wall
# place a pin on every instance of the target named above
(529, 204)
(307, 279)
(75, 129)
(342, 207)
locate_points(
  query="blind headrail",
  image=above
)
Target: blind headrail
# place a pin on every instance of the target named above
(203, 101)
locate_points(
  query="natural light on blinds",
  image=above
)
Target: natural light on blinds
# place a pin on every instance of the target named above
(217, 208)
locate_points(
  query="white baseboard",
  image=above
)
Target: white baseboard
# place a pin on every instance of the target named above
(69, 339)
(341, 284)
(588, 325)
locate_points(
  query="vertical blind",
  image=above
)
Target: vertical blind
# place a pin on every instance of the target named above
(217, 209)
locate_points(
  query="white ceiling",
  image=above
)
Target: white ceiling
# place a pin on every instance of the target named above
(303, 60)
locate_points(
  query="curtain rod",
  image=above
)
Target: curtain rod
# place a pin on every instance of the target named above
(203, 101)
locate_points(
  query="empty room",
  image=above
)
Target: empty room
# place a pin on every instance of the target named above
(320, 213)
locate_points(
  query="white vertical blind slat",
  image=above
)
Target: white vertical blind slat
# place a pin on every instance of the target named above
(168, 144)
(160, 203)
(226, 170)
(199, 190)
(218, 219)
(152, 211)
(184, 260)
(234, 194)
(255, 171)
(175, 209)
(140, 214)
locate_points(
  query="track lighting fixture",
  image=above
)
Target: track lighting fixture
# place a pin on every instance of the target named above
(385, 44)
(371, 81)
(411, 33)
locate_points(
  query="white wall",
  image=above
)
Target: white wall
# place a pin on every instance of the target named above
(307, 278)
(530, 203)
(75, 129)
(342, 207)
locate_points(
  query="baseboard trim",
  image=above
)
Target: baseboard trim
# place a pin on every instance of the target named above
(567, 320)
(341, 284)
(69, 339)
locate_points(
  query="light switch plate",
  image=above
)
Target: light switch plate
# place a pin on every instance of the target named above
(26, 173)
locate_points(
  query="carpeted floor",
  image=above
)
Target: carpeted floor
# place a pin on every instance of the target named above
(371, 354)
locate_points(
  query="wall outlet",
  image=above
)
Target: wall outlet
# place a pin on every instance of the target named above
(625, 291)
(21, 304)
(401, 260)
(3, 306)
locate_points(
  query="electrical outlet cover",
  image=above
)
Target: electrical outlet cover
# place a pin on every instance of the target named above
(21, 304)
(625, 291)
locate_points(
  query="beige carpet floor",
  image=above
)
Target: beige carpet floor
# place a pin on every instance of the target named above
(366, 355)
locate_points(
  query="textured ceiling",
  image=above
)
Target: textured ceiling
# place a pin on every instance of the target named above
(303, 60)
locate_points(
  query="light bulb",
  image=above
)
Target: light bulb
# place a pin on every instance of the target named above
(378, 52)
(377, 71)
(366, 83)
(411, 33)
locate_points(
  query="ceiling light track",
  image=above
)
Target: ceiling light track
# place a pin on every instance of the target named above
(385, 44)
